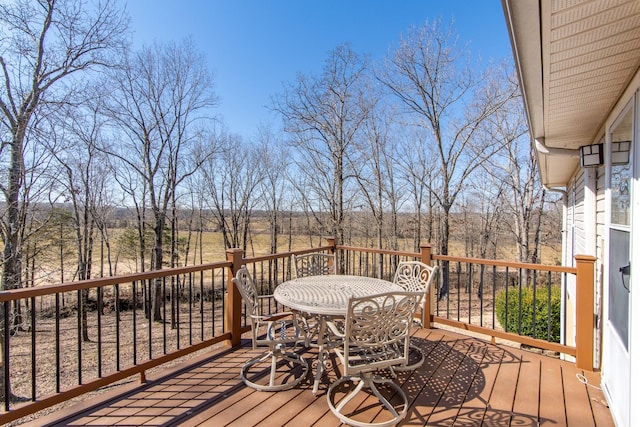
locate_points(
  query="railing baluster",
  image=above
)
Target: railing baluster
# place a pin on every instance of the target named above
(549, 306)
(534, 308)
(190, 309)
(33, 349)
(202, 306)
(177, 325)
(5, 356)
(164, 316)
(519, 301)
(79, 334)
(117, 286)
(459, 272)
(224, 300)
(470, 289)
(506, 297)
(213, 303)
(448, 288)
(153, 300)
(135, 324)
(99, 314)
(493, 298)
(481, 293)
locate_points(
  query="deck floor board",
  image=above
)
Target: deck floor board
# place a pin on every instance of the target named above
(552, 402)
(464, 381)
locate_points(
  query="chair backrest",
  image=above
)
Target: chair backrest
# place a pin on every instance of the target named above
(244, 282)
(414, 276)
(377, 330)
(314, 264)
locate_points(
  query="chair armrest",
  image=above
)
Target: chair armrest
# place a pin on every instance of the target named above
(273, 317)
(334, 329)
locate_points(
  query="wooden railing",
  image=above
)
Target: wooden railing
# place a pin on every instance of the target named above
(52, 354)
(464, 295)
(61, 341)
(474, 284)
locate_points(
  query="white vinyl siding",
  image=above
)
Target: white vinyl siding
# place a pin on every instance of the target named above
(579, 219)
(600, 255)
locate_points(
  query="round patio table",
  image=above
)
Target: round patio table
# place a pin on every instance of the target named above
(327, 296)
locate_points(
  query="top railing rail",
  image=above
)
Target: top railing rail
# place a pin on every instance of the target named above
(43, 290)
(503, 263)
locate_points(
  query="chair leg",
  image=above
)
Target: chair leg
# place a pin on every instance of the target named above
(274, 368)
(360, 385)
(368, 380)
(385, 402)
(416, 359)
(273, 357)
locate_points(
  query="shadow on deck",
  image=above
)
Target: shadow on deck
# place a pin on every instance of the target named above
(464, 381)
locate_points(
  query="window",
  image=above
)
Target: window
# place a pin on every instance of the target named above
(621, 170)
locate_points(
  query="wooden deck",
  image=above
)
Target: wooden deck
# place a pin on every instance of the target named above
(464, 382)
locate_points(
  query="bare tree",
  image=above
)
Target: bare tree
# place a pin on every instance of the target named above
(484, 213)
(488, 196)
(375, 166)
(195, 224)
(160, 99)
(134, 193)
(306, 199)
(516, 165)
(37, 197)
(416, 168)
(83, 180)
(324, 114)
(273, 187)
(438, 87)
(231, 180)
(45, 43)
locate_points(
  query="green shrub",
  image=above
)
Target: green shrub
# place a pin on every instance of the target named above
(524, 307)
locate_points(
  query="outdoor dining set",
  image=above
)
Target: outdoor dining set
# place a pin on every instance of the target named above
(365, 323)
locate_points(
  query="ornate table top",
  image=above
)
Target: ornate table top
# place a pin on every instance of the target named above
(328, 294)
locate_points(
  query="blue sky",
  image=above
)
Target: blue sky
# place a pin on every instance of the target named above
(253, 46)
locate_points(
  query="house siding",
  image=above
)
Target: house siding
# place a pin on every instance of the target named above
(575, 244)
(579, 220)
(600, 255)
(580, 213)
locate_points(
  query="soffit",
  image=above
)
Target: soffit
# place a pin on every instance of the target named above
(574, 58)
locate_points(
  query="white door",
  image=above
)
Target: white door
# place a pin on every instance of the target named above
(616, 360)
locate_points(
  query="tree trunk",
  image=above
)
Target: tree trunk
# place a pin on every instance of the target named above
(156, 295)
(444, 250)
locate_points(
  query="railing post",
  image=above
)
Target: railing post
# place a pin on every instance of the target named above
(585, 281)
(233, 312)
(425, 257)
(331, 241)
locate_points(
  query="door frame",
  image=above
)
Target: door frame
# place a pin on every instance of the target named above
(634, 295)
(617, 386)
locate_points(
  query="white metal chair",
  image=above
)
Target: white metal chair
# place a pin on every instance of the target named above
(313, 264)
(416, 276)
(376, 337)
(280, 330)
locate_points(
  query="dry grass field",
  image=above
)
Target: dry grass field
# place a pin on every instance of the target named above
(213, 247)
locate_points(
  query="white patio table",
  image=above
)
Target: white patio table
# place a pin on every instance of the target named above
(327, 296)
